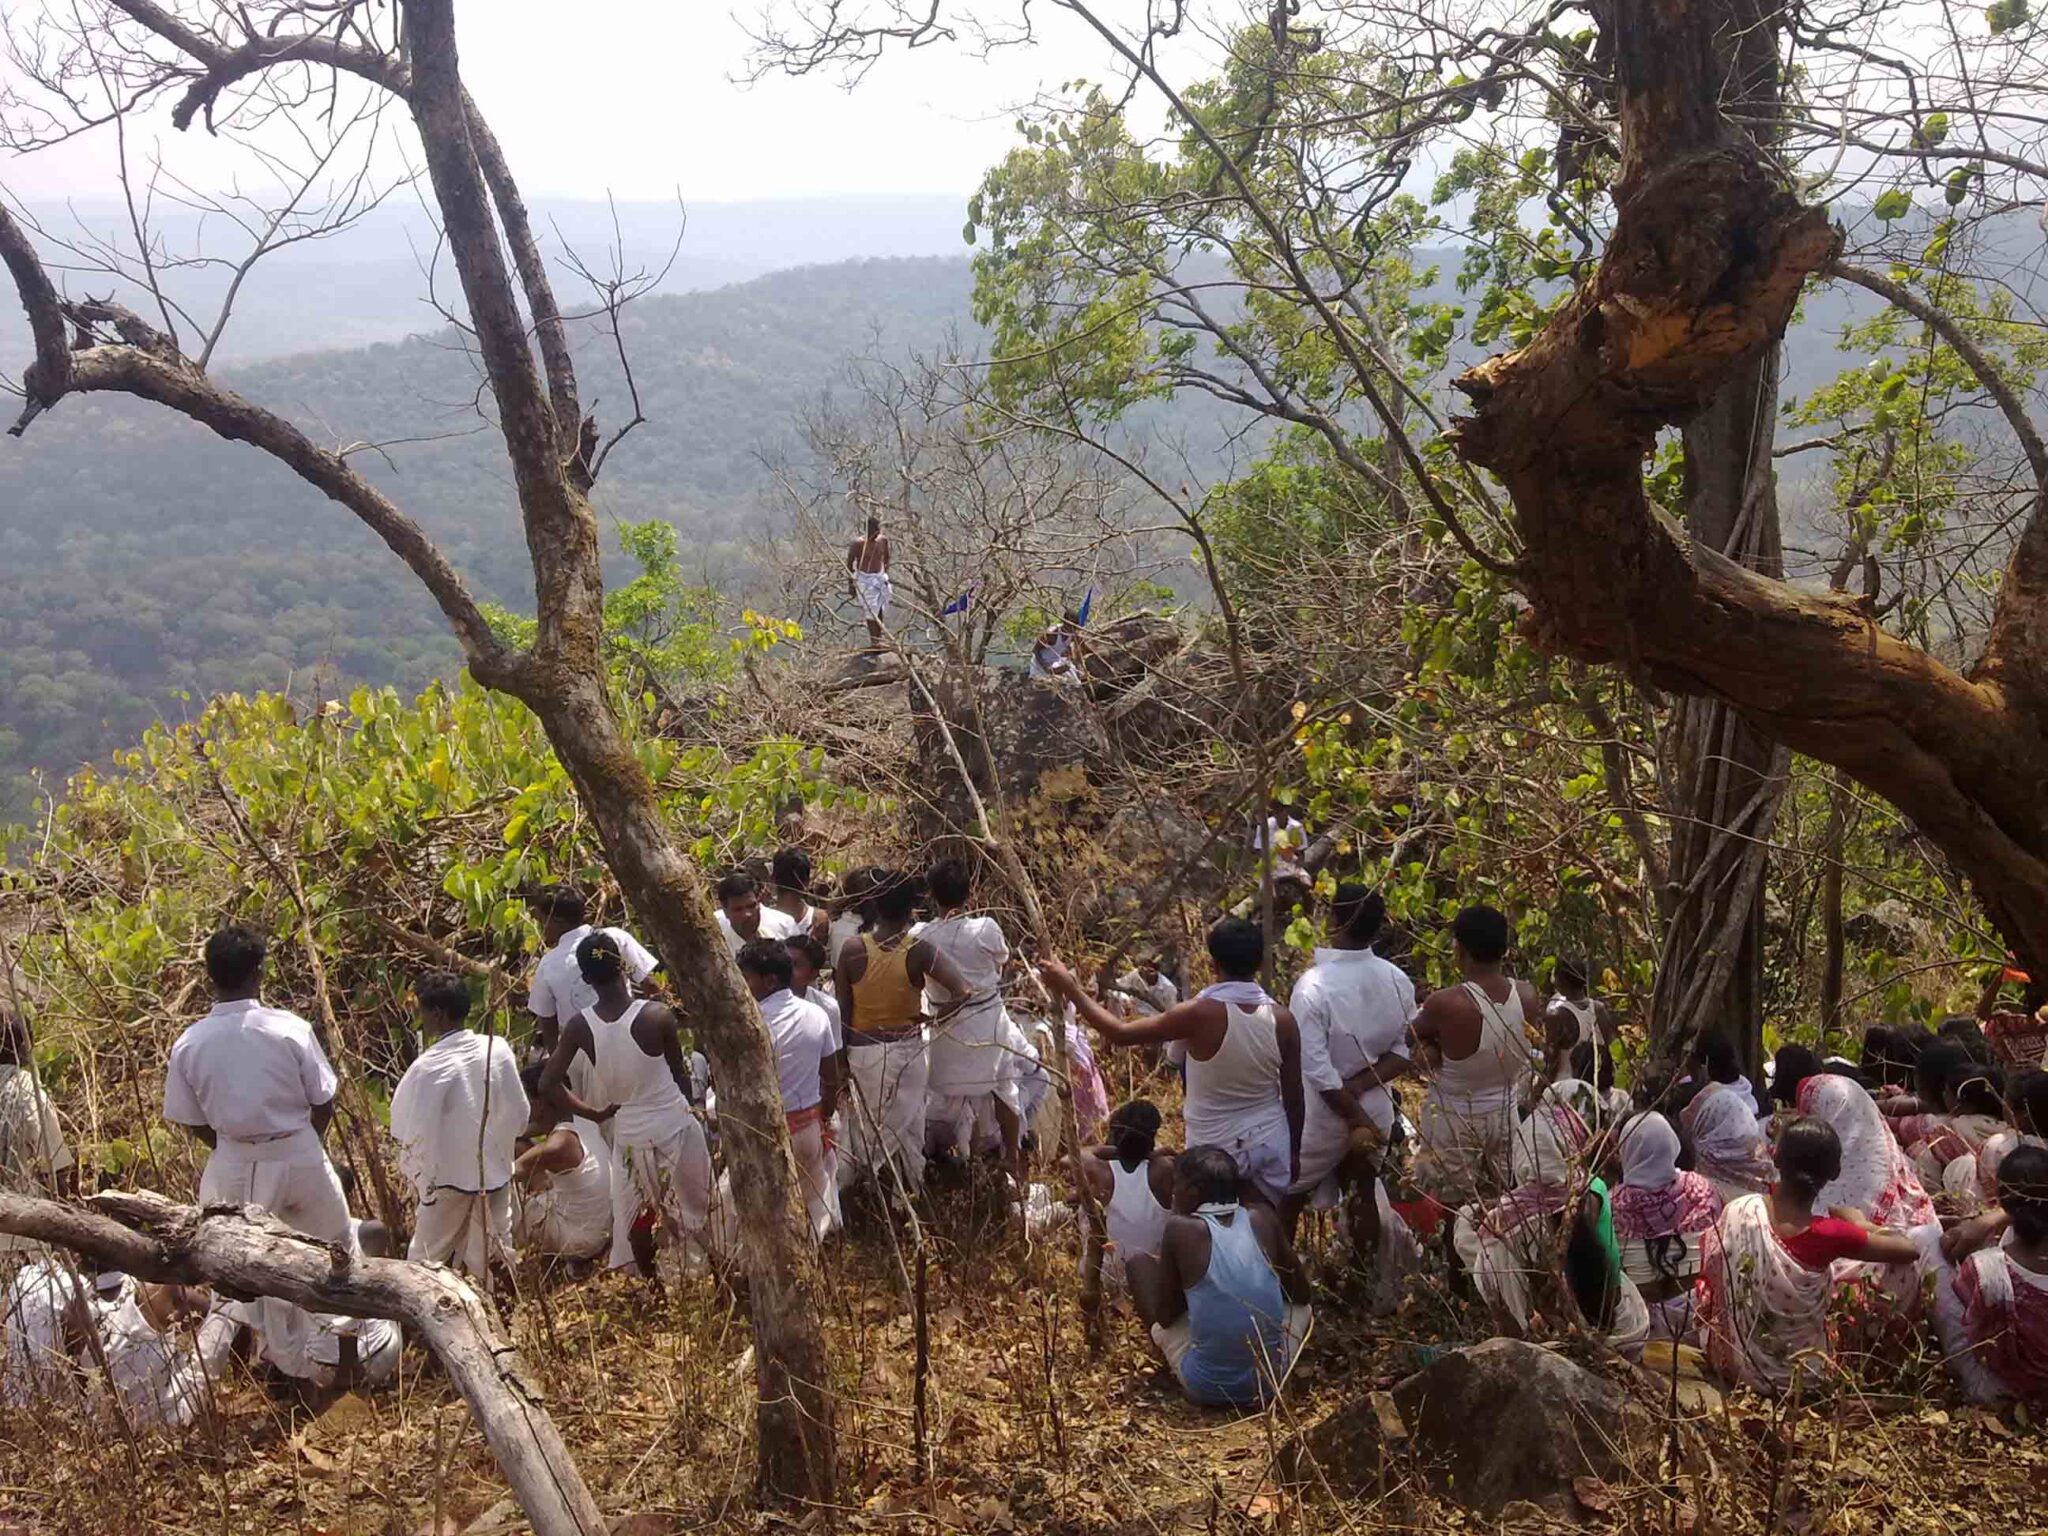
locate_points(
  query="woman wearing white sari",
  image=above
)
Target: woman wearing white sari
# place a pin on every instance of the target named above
(1660, 1210)
(1876, 1177)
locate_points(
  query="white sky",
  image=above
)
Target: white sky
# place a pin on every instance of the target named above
(640, 97)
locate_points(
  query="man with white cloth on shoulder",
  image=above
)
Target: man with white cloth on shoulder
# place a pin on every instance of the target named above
(880, 979)
(254, 1085)
(1244, 1090)
(970, 1096)
(456, 1116)
(807, 1067)
(638, 1078)
(1353, 1009)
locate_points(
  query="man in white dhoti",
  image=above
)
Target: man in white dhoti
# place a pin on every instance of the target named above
(44, 1315)
(880, 979)
(637, 1078)
(970, 1093)
(254, 1085)
(807, 1066)
(34, 1159)
(867, 571)
(562, 1181)
(341, 1353)
(456, 1116)
(165, 1348)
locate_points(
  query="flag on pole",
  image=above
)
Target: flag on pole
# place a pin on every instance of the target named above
(959, 604)
(1087, 603)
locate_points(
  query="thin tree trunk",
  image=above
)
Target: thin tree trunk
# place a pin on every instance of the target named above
(254, 1254)
(785, 1288)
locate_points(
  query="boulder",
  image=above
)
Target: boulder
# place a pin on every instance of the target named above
(1508, 1420)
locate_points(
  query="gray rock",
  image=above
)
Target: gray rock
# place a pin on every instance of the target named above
(1507, 1420)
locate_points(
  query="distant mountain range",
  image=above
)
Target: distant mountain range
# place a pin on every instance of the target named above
(141, 557)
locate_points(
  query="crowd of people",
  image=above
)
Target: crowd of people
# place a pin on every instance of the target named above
(1478, 1126)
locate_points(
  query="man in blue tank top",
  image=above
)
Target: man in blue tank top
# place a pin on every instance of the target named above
(1225, 1297)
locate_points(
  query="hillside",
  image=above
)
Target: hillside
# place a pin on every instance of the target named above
(141, 557)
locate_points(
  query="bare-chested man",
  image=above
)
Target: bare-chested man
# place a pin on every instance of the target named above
(867, 573)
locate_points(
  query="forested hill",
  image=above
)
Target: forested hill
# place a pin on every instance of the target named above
(141, 556)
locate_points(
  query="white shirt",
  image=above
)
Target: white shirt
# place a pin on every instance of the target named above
(802, 1037)
(457, 1112)
(1284, 839)
(976, 947)
(1352, 1008)
(559, 991)
(822, 999)
(252, 1073)
(1151, 998)
(774, 925)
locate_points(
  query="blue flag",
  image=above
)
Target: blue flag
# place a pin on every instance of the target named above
(1087, 603)
(959, 604)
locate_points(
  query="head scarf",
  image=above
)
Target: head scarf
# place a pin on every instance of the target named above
(1540, 1155)
(1727, 1145)
(1877, 1177)
(1656, 1197)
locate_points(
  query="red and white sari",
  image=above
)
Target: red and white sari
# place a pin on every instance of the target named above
(1877, 1177)
(1764, 1313)
(2005, 1319)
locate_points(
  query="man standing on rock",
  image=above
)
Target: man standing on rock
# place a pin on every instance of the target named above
(253, 1083)
(867, 572)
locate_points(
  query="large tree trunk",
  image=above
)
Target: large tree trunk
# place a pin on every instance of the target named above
(785, 1289)
(1729, 777)
(1708, 256)
(251, 1253)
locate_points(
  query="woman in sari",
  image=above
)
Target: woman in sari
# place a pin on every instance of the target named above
(1991, 1309)
(1876, 1178)
(1728, 1146)
(1511, 1248)
(1660, 1211)
(2026, 1105)
(1767, 1268)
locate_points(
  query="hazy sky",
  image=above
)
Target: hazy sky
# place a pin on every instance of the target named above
(640, 98)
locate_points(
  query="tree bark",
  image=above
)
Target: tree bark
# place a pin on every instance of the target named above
(1707, 258)
(247, 1252)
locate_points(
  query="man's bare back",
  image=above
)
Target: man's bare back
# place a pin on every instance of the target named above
(1451, 1021)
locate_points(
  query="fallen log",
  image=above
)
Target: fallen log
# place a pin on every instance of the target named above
(247, 1252)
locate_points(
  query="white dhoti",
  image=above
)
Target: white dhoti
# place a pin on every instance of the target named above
(972, 1071)
(291, 1178)
(465, 1228)
(885, 1121)
(874, 591)
(1462, 1151)
(1257, 1142)
(667, 1168)
(549, 1225)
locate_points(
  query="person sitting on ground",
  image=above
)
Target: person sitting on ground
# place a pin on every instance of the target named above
(1767, 1267)
(34, 1159)
(559, 992)
(1353, 1010)
(344, 1353)
(741, 916)
(1586, 1019)
(1976, 1114)
(790, 874)
(165, 1347)
(1132, 1180)
(807, 1067)
(561, 1180)
(1474, 1040)
(1877, 1177)
(1244, 1086)
(2026, 1109)
(1960, 1029)
(1991, 1310)
(867, 578)
(880, 979)
(46, 1319)
(1052, 659)
(1225, 1298)
(1886, 1061)
(1660, 1210)
(968, 1098)
(640, 1079)
(456, 1116)
(1730, 1149)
